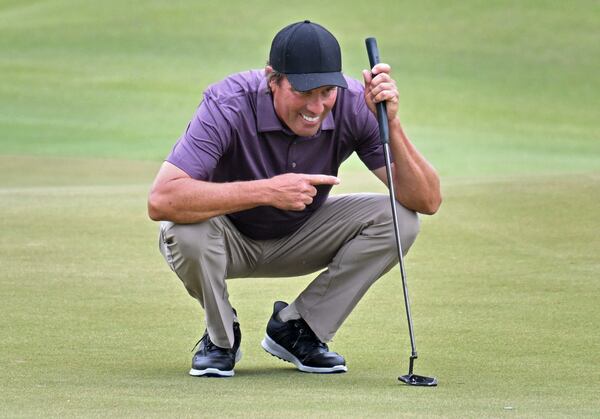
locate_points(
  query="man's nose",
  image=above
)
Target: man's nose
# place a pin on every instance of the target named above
(315, 105)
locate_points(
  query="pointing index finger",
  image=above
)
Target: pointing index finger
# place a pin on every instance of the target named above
(322, 180)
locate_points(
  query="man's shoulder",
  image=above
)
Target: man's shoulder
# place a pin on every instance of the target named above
(236, 86)
(355, 91)
(352, 99)
(355, 87)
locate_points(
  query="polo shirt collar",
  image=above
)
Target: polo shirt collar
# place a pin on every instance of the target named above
(266, 118)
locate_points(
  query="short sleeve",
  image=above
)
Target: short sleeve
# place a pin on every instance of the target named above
(205, 140)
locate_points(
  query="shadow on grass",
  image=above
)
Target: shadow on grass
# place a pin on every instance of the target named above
(277, 372)
(169, 372)
(262, 374)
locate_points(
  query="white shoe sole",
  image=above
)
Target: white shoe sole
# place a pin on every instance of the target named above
(215, 372)
(280, 352)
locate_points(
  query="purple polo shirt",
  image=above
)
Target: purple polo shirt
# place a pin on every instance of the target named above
(235, 135)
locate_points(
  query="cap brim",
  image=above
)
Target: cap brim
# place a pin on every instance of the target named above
(309, 81)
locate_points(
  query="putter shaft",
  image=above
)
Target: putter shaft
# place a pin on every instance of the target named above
(388, 169)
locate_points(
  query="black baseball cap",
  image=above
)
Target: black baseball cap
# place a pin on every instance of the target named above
(309, 56)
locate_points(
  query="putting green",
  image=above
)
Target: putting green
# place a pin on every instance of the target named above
(503, 283)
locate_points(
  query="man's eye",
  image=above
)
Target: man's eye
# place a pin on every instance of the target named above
(300, 93)
(329, 92)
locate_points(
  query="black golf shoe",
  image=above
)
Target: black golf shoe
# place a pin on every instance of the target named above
(295, 342)
(213, 361)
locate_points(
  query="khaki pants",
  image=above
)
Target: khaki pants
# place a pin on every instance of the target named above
(352, 236)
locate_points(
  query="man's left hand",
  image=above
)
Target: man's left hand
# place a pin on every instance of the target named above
(380, 87)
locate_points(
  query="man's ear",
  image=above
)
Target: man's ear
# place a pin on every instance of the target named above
(269, 70)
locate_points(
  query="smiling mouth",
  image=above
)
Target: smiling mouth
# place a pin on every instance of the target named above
(309, 118)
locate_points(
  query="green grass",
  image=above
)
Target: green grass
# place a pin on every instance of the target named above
(502, 97)
(486, 87)
(504, 300)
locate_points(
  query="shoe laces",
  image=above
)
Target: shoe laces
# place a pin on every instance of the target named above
(208, 344)
(305, 333)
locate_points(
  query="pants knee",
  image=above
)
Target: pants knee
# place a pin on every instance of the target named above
(408, 224)
(191, 240)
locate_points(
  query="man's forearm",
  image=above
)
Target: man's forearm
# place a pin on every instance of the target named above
(416, 181)
(187, 200)
(177, 197)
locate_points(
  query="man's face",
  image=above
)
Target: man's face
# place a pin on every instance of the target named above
(302, 112)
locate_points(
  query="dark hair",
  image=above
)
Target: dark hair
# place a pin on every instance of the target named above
(274, 75)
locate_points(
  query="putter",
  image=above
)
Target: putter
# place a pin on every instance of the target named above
(384, 135)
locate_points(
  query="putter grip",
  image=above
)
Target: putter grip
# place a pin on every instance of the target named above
(384, 129)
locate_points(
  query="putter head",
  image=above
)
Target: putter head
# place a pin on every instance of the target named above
(418, 380)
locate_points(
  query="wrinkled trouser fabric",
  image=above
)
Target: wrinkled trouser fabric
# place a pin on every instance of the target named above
(351, 236)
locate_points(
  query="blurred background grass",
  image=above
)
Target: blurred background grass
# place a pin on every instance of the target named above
(487, 87)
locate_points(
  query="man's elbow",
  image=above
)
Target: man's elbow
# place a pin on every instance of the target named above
(156, 210)
(432, 205)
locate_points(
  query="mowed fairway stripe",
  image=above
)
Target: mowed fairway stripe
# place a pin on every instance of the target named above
(76, 190)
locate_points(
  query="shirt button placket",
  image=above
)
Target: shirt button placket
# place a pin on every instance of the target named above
(291, 163)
